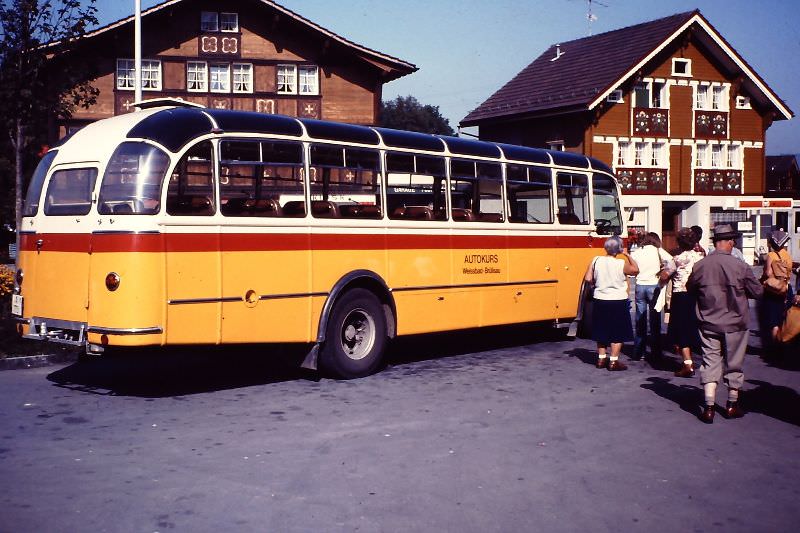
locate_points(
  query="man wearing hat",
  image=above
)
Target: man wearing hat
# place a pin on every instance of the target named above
(722, 284)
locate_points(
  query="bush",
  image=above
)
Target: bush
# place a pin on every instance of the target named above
(6, 284)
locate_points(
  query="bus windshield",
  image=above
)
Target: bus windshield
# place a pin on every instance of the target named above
(606, 205)
(132, 181)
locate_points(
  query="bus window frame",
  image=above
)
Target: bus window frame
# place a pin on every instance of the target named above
(618, 203)
(551, 171)
(469, 214)
(589, 214)
(86, 165)
(177, 158)
(412, 216)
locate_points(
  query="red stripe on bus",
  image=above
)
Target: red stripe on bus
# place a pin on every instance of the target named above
(243, 242)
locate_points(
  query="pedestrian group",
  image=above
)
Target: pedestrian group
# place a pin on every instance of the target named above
(706, 294)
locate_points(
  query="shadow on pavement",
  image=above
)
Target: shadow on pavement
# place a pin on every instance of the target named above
(586, 356)
(416, 348)
(179, 371)
(776, 401)
(688, 397)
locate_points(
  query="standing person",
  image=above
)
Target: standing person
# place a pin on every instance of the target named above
(611, 317)
(682, 330)
(722, 284)
(651, 260)
(779, 265)
(698, 245)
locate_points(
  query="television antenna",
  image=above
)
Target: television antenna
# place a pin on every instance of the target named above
(590, 16)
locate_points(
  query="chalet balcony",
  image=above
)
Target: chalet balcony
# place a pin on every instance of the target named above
(711, 124)
(642, 180)
(717, 181)
(651, 121)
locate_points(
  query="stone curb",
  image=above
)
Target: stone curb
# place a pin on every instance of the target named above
(35, 361)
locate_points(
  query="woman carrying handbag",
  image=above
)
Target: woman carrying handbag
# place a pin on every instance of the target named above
(777, 292)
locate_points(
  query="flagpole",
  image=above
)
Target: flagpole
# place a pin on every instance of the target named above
(137, 52)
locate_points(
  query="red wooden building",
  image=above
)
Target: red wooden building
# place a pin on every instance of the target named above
(669, 104)
(251, 55)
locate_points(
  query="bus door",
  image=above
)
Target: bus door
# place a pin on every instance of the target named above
(265, 242)
(529, 191)
(575, 242)
(192, 250)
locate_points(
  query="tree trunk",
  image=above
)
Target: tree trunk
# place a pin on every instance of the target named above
(18, 150)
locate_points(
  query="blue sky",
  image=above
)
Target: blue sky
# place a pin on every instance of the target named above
(467, 49)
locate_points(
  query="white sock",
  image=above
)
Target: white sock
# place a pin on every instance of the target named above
(733, 395)
(688, 362)
(613, 358)
(710, 393)
(601, 356)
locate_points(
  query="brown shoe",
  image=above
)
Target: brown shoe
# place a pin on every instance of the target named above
(733, 410)
(616, 366)
(686, 371)
(707, 416)
(601, 363)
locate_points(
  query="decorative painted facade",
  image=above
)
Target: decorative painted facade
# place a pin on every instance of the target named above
(675, 111)
(250, 55)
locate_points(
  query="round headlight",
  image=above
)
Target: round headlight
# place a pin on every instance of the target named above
(112, 281)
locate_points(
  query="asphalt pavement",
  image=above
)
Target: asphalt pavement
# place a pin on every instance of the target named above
(498, 430)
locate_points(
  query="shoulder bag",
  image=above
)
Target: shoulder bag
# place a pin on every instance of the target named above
(777, 280)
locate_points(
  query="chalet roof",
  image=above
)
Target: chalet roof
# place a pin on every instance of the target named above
(395, 67)
(779, 166)
(578, 75)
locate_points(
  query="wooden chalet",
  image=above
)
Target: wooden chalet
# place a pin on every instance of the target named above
(669, 104)
(253, 55)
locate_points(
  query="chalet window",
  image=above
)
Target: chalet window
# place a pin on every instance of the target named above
(209, 21)
(151, 74)
(701, 97)
(658, 99)
(197, 76)
(640, 154)
(220, 78)
(229, 22)
(125, 73)
(242, 78)
(287, 79)
(623, 151)
(718, 98)
(734, 156)
(657, 157)
(641, 95)
(681, 67)
(309, 79)
(743, 102)
(701, 150)
(716, 155)
(615, 97)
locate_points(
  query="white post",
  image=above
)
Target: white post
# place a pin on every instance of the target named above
(137, 51)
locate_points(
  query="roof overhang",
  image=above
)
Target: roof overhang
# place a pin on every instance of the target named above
(728, 56)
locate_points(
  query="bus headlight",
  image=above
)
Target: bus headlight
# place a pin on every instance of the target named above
(112, 281)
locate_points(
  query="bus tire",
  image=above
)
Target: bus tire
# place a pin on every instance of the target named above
(355, 336)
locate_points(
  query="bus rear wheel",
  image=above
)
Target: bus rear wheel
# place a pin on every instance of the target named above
(355, 337)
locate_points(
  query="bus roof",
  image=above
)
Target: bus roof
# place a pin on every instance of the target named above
(174, 127)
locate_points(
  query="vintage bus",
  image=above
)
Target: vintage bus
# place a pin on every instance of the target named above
(182, 225)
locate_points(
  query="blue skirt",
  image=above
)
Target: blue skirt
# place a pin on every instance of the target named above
(683, 330)
(611, 321)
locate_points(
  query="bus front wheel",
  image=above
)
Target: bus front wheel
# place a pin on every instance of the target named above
(355, 337)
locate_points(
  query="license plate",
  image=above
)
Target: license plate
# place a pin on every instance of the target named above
(16, 304)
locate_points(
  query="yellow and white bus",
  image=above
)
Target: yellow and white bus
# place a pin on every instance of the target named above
(183, 225)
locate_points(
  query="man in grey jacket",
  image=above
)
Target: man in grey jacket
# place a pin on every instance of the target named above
(722, 284)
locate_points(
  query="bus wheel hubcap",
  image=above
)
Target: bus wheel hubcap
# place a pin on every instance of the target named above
(358, 334)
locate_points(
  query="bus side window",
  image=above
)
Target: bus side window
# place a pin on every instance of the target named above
(415, 187)
(573, 198)
(345, 182)
(607, 218)
(191, 186)
(476, 191)
(530, 194)
(261, 179)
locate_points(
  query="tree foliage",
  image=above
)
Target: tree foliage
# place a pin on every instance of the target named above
(407, 113)
(35, 87)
